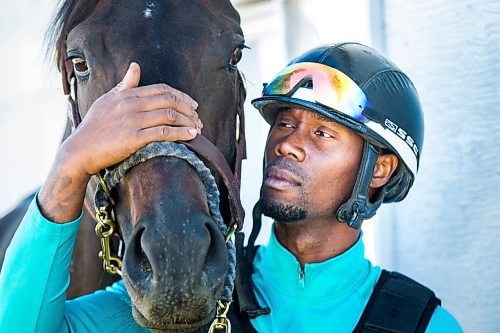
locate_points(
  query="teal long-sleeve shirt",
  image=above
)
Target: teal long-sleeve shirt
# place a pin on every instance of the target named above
(328, 296)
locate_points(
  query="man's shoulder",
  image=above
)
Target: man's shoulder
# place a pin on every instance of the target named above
(443, 321)
(399, 303)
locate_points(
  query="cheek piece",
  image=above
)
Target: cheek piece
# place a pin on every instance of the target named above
(359, 207)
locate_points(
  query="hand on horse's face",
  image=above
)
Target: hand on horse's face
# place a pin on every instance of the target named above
(140, 115)
(116, 125)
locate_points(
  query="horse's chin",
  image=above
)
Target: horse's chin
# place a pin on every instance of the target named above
(172, 324)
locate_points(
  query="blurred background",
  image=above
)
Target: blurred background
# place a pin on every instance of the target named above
(445, 234)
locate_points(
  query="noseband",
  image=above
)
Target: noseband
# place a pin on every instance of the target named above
(206, 151)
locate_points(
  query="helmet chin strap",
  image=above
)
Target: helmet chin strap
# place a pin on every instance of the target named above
(359, 207)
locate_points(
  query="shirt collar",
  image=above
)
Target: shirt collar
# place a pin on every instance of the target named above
(336, 275)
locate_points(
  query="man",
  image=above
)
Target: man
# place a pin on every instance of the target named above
(346, 136)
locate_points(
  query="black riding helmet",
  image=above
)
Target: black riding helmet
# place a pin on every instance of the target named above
(357, 87)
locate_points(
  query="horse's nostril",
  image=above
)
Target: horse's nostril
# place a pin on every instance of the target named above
(216, 252)
(139, 268)
(144, 264)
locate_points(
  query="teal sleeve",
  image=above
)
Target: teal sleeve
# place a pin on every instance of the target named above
(34, 279)
(443, 321)
(106, 310)
(35, 274)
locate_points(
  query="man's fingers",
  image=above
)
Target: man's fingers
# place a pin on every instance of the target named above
(161, 89)
(166, 133)
(166, 101)
(131, 78)
(164, 117)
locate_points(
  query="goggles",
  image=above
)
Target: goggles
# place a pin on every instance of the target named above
(317, 83)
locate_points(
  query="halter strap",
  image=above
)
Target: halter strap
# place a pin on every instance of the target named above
(211, 155)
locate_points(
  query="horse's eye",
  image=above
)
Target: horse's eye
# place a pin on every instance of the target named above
(80, 66)
(236, 57)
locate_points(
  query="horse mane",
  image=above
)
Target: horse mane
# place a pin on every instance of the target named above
(68, 16)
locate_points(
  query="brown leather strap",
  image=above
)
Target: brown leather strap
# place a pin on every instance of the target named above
(241, 152)
(73, 113)
(212, 155)
(66, 68)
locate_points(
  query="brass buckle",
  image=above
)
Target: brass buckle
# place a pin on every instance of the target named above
(221, 322)
(231, 231)
(104, 230)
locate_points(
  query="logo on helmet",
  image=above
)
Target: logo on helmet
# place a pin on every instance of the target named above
(403, 135)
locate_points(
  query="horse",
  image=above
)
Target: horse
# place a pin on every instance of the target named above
(175, 260)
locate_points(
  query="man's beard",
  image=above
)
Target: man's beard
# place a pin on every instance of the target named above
(282, 212)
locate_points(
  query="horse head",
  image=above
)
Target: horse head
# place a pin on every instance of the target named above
(175, 258)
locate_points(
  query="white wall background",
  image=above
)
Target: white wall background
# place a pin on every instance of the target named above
(446, 234)
(32, 109)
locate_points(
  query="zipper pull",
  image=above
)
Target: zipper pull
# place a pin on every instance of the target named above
(302, 276)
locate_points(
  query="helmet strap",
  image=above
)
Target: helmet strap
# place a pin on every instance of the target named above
(359, 207)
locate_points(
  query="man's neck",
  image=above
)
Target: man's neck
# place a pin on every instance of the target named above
(315, 241)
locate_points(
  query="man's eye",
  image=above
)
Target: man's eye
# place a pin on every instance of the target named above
(323, 134)
(286, 125)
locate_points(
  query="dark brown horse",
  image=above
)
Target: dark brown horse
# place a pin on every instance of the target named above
(175, 258)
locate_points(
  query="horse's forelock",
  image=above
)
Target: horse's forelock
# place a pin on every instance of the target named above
(70, 14)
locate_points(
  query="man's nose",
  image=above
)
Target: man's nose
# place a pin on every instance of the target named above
(292, 146)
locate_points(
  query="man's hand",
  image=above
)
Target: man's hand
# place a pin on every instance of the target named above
(126, 119)
(116, 125)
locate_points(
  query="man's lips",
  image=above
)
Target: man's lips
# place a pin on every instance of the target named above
(279, 178)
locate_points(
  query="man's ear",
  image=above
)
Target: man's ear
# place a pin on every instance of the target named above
(384, 168)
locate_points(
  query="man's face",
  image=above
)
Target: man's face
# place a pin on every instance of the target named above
(311, 166)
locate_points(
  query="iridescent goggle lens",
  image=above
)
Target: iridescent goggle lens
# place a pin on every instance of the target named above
(330, 87)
